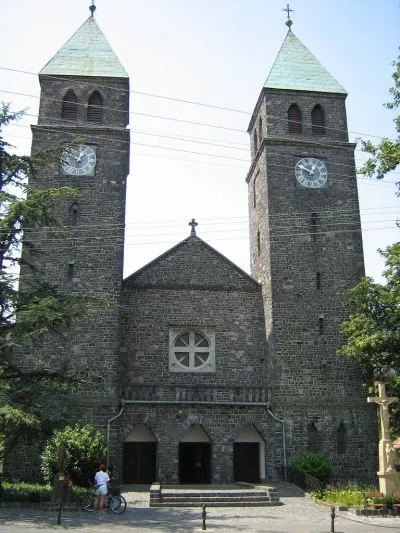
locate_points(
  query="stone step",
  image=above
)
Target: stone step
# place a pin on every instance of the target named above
(235, 503)
(248, 494)
(217, 498)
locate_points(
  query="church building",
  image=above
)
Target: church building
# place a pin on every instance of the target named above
(198, 372)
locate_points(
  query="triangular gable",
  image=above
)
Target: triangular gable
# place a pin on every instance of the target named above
(192, 264)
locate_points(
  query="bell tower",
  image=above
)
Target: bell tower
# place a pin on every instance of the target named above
(306, 249)
(85, 100)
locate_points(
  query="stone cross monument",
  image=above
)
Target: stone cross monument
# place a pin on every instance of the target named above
(389, 478)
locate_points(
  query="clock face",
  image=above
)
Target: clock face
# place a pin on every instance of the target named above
(311, 173)
(79, 161)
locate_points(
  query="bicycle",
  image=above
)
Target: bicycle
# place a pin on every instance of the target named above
(113, 500)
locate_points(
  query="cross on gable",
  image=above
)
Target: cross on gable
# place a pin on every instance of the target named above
(193, 223)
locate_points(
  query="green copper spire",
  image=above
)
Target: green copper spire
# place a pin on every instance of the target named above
(86, 53)
(296, 68)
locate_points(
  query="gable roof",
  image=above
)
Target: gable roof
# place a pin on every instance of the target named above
(86, 53)
(192, 264)
(296, 68)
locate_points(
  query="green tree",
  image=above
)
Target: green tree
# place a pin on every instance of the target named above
(372, 328)
(31, 401)
(85, 447)
(385, 156)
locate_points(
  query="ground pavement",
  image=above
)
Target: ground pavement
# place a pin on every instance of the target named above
(298, 515)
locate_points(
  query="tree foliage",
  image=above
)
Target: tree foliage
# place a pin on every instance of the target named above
(31, 401)
(372, 328)
(85, 447)
(385, 156)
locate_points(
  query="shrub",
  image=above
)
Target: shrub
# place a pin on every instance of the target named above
(85, 447)
(26, 492)
(314, 464)
(350, 495)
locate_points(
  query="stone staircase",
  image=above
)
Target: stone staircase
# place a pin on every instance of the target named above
(235, 495)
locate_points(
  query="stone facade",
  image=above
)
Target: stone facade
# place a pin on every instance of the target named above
(198, 372)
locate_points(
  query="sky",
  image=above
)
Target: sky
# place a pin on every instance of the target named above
(186, 60)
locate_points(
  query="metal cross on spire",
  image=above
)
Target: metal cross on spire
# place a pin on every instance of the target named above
(193, 223)
(289, 22)
(92, 8)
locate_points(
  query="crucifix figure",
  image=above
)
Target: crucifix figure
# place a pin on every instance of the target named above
(193, 223)
(386, 450)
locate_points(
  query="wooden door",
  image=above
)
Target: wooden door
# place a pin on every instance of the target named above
(139, 462)
(246, 461)
(194, 462)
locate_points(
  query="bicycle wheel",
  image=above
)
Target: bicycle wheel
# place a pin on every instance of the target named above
(117, 504)
(88, 500)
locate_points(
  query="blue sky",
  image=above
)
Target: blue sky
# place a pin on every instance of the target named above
(215, 52)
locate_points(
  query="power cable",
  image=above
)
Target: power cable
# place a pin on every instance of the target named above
(270, 153)
(191, 102)
(281, 118)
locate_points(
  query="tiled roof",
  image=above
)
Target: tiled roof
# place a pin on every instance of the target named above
(86, 53)
(296, 68)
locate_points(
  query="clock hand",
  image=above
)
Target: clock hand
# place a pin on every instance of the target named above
(81, 154)
(306, 169)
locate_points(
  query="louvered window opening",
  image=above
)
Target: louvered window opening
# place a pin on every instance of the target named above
(312, 438)
(294, 119)
(95, 109)
(318, 121)
(70, 107)
(341, 439)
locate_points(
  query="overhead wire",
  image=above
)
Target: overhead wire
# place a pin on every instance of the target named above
(98, 137)
(180, 100)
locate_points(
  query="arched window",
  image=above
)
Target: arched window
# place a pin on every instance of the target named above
(260, 129)
(258, 242)
(255, 141)
(294, 119)
(341, 438)
(95, 108)
(318, 120)
(69, 110)
(312, 437)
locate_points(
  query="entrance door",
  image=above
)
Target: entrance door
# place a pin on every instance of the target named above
(246, 461)
(139, 462)
(194, 462)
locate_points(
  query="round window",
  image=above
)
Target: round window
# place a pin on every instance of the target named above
(191, 349)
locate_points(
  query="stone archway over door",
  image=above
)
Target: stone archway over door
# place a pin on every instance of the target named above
(140, 456)
(194, 456)
(249, 456)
